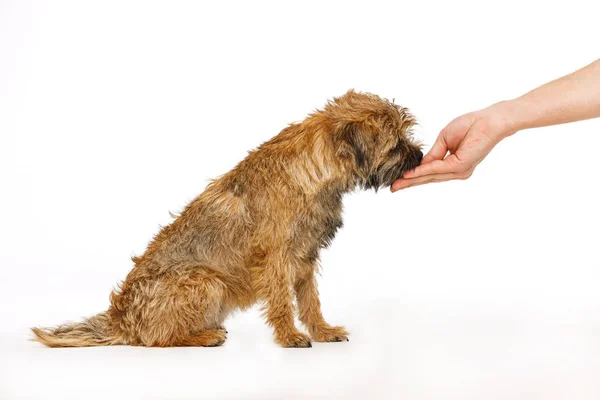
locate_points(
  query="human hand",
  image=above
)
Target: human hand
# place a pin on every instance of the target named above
(468, 139)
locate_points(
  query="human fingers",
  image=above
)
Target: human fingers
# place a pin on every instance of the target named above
(438, 151)
(402, 184)
(445, 166)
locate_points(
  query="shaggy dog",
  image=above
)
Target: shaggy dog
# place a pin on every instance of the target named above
(254, 235)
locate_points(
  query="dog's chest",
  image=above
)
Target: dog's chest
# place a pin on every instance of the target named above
(317, 225)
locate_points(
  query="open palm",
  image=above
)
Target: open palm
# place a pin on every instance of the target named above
(460, 146)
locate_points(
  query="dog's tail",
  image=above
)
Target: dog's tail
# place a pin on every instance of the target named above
(93, 331)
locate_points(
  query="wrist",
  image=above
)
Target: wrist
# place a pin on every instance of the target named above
(508, 117)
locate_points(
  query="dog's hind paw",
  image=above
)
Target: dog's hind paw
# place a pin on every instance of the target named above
(222, 328)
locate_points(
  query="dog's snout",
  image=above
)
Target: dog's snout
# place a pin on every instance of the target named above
(419, 157)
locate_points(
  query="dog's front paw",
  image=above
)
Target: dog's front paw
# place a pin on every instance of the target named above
(296, 339)
(330, 334)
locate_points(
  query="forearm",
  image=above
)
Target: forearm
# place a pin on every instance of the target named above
(468, 139)
(571, 98)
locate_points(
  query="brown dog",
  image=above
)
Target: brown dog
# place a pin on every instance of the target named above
(254, 235)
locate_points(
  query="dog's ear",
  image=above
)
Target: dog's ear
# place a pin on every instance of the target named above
(353, 145)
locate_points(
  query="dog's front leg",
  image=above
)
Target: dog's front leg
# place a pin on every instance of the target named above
(274, 286)
(309, 312)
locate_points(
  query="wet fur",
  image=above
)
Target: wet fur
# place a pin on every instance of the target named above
(254, 235)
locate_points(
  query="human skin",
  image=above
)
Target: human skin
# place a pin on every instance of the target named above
(468, 139)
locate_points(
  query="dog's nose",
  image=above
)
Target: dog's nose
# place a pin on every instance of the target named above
(419, 157)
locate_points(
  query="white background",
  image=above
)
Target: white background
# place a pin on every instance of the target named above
(112, 113)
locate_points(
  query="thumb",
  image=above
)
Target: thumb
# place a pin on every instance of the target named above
(438, 151)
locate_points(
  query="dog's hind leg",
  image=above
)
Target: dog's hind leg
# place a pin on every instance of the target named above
(183, 309)
(204, 338)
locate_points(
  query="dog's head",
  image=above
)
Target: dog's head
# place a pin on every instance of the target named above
(373, 137)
